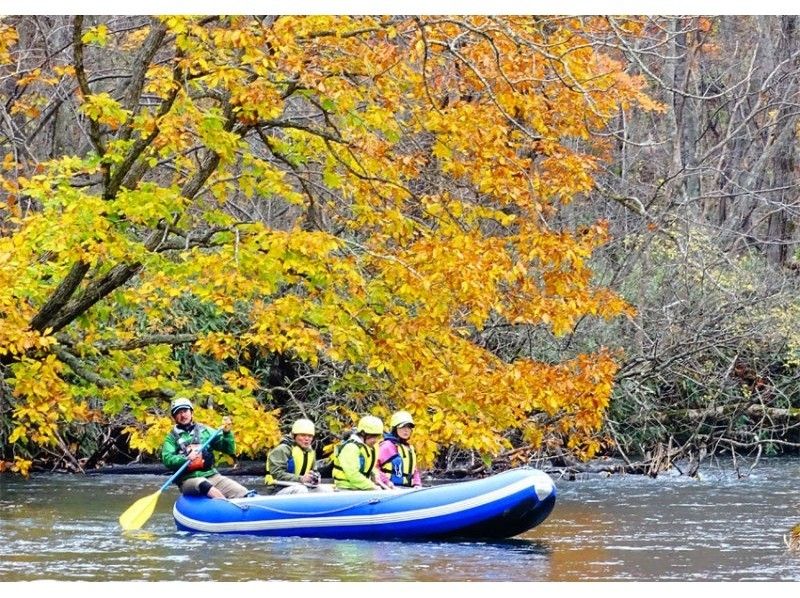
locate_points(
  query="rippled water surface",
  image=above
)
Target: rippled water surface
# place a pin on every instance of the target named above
(717, 528)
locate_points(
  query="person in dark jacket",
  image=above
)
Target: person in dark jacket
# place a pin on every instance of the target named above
(183, 444)
(292, 465)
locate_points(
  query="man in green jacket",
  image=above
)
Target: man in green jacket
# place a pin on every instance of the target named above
(292, 465)
(183, 444)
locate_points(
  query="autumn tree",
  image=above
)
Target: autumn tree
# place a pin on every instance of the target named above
(317, 215)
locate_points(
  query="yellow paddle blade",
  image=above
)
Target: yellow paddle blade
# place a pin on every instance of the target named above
(793, 541)
(139, 512)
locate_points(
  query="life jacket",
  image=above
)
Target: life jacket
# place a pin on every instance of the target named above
(366, 458)
(400, 467)
(305, 459)
(185, 438)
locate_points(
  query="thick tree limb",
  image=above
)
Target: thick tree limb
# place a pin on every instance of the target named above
(132, 93)
(120, 173)
(80, 369)
(114, 279)
(83, 83)
(142, 61)
(145, 341)
(60, 297)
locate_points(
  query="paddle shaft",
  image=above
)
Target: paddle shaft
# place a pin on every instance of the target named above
(282, 483)
(175, 475)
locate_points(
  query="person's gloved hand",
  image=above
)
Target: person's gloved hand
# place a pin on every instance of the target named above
(310, 479)
(199, 460)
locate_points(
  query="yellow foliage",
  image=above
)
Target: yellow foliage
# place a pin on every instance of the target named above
(105, 110)
(326, 126)
(8, 37)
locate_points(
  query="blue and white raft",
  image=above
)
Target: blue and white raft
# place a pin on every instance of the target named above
(499, 506)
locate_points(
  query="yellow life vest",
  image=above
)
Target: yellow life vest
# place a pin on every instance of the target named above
(306, 460)
(366, 459)
(401, 467)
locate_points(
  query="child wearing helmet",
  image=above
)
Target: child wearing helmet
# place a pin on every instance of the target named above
(183, 442)
(292, 465)
(397, 460)
(354, 460)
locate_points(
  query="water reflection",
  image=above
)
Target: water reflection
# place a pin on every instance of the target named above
(435, 561)
(620, 528)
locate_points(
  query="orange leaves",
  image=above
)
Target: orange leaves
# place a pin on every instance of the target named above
(705, 24)
(160, 81)
(16, 337)
(258, 101)
(280, 328)
(219, 345)
(19, 465)
(242, 379)
(16, 340)
(378, 205)
(8, 37)
(574, 395)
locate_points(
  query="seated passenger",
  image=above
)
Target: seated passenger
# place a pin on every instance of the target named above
(292, 465)
(354, 460)
(397, 460)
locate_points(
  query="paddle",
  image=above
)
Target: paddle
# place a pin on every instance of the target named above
(282, 483)
(140, 511)
(793, 541)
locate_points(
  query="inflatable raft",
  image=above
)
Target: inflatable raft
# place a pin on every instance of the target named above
(499, 506)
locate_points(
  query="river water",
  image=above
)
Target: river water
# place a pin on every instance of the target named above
(615, 528)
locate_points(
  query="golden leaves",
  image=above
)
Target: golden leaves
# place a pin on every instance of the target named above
(20, 465)
(8, 37)
(43, 403)
(430, 170)
(106, 110)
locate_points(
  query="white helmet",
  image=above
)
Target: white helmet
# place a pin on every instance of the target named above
(303, 426)
(178, 404)
(400, 419)
(369, 424)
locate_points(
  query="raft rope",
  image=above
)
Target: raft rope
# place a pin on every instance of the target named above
(371, 501)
